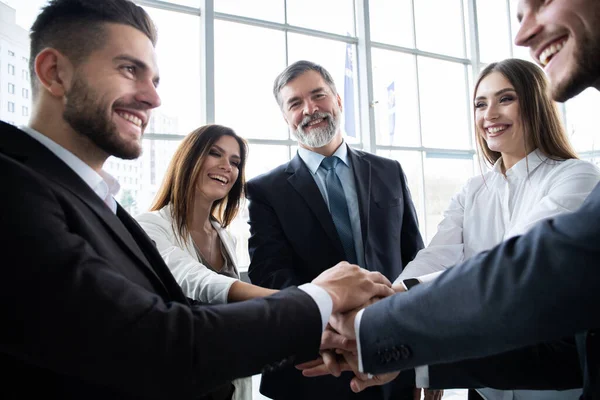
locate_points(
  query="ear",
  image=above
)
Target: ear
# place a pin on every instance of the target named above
(339, 101)
(53, 70)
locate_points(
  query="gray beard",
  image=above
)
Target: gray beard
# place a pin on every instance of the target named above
(317, 137)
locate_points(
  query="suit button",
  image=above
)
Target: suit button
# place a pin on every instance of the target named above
(388, 356)
(395, 353)
(405, 352)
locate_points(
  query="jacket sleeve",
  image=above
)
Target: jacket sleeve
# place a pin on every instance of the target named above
(446, 248)
(546, 366)
(196, 280)
(544, 282)
(73, 313)
(271, 255)
(411, 240)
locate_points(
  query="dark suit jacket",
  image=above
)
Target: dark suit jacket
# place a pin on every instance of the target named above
(530, 289)
(293, 239)
(89, 309)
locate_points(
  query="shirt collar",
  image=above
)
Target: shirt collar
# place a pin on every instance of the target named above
(313, 160)
(103, 184)
(523, 167)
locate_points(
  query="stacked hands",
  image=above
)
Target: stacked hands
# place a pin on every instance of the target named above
(352, 289)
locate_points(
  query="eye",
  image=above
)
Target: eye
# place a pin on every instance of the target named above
(214, 153)
(479, 104)
(235, 163)
(293, 105)
(320, 96)
(506, 99)
(129, 69)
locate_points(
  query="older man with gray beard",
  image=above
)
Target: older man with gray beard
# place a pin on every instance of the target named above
(329, 203)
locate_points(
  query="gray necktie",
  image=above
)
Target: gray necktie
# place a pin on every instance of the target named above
(338, 207)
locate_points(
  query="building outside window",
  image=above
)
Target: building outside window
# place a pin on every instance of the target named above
(11, 88)
(11, 107)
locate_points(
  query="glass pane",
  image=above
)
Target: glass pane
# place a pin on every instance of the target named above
(335, 16)
(493, 26)
(243, 84)
(443, 178)
(141, 178)
(270, 10)
(189, 3)
(391, 22)
(440, 27)
(261, 159)
(339, 59)
(413, 169)
(395, 92)
(444, 114)
(582, 126)
(180, 88)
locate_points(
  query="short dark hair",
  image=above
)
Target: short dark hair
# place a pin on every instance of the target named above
(75, 27)
(178, 187)
(295, 70)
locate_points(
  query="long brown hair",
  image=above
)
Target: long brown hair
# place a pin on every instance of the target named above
(178, 187)
(539, 116)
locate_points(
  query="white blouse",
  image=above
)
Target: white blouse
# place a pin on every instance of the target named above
(492, 207)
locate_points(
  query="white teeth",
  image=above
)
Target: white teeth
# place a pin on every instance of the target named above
(314, 122)
(131, 118)
(550, 51)
(496, 129)
(220, 178)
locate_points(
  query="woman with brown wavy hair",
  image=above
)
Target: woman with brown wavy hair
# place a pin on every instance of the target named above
(535, 175)
(199, 197)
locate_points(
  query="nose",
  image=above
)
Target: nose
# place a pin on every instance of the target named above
(528, 30)
(226, 165)
(310, 107)
(491, 112)
(148, 94)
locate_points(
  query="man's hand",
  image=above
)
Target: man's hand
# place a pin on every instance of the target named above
(328, 362)
(362, 381)
(351, 286)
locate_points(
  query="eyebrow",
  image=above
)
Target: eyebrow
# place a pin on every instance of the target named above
(498, 93)
(223, 151)
(138, 63)
(314, 91)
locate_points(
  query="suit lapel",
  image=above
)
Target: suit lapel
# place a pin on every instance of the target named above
(362, 177)
(36, 156)
(303, 182)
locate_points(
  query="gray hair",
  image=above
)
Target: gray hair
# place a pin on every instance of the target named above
(295, 70)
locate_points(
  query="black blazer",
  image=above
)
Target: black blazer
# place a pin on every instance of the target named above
(293, 239)
(530, 289)
(89, 309)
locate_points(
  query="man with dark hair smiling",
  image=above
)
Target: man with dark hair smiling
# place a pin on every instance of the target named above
(89, 308)
(538, 287)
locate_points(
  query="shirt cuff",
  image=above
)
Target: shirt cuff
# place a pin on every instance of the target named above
(422, 377)
(322, 298)
(357, 333)
(430, 277)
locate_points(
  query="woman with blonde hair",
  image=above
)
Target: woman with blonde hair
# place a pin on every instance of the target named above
(535, 175)
(199, 197)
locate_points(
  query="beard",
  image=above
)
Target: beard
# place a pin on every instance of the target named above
(88, 115)
(317, 137)
(585, 71)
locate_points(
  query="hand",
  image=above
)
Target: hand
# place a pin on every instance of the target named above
(398, 287)
(343, 323)
(362, 381)
(351, 286)
(328, 362)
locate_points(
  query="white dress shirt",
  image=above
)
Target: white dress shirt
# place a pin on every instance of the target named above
(103, 184)
(345, 172)
(491, 208)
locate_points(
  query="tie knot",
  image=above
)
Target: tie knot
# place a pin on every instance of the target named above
(330, 163)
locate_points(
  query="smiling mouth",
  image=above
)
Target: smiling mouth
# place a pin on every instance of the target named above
(219, 178)
(130, 117)
(496, 130)
(551, 50)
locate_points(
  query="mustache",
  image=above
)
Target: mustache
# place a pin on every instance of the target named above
(309, 118)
